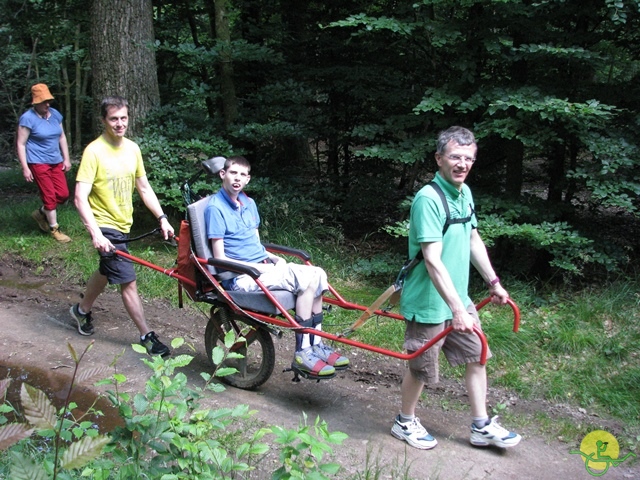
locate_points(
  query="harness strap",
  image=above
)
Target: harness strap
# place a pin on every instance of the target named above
(448, 221)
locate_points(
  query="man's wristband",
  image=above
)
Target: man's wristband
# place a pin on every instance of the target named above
(493, 282)
(161, 217)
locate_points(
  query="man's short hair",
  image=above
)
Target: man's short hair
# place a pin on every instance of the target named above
(460, 135)
(239, 160)
(113, 101)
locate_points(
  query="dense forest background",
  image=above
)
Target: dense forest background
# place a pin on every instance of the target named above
(337, 104)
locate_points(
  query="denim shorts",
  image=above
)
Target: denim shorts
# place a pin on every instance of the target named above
(116, 268)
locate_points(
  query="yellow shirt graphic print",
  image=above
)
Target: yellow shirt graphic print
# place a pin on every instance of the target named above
(112, 172)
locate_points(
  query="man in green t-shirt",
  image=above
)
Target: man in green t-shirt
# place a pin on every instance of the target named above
(110, 169)
(435, 296)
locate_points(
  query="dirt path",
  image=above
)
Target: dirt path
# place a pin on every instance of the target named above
(360, 402)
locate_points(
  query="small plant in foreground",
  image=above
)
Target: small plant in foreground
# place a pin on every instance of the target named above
(73, 442)
(377, 469)
(302, 452)
(166, 433)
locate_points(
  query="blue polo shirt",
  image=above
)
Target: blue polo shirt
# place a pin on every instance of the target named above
(43, 144)
(237, 225)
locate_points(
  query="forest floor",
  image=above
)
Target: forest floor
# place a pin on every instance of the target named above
(361, 401)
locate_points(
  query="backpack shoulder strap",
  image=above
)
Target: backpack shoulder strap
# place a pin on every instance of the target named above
(445, 204)
(447, 212)
(449, 221)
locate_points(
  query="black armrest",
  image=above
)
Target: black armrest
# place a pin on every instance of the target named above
(301, 254)
(234, 267)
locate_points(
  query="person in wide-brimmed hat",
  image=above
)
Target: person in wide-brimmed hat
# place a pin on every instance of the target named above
(43, 152)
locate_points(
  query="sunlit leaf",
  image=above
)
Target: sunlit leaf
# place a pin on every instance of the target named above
(38, 410)
(13, 433)
(80, 453)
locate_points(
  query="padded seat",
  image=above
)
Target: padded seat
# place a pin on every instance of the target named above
(256, 301)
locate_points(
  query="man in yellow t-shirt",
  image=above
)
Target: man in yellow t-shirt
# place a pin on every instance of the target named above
(111, 168)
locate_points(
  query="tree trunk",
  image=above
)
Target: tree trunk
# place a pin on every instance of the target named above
(66, 84)
(122, 55)
(77, 138)
(514, 152)
(225, 66)
(556, 173)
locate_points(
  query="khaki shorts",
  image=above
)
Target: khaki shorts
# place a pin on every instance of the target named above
(459, 348)
(293, 277)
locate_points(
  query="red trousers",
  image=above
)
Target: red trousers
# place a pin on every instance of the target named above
(52, 182)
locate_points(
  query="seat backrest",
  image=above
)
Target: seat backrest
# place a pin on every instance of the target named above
(201, 244)
(256, 301)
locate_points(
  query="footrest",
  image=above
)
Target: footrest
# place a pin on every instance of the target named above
(308, 375)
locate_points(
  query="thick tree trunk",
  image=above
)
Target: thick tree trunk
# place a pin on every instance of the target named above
(122, 56)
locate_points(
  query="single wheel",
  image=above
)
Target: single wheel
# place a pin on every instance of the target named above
(259, 353)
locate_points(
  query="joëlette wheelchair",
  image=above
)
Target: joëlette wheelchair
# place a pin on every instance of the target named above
(255, 317)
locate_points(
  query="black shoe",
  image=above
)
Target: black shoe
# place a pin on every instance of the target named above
(84, 321)
(154, 346)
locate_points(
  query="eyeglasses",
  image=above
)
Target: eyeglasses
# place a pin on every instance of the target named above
(461, 158)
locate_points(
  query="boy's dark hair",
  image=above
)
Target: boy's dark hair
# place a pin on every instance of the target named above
(239, 160)
(113, 101)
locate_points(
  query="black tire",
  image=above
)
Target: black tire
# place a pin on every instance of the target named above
(259, 353)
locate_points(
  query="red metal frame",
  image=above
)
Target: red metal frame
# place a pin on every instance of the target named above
(289, 321)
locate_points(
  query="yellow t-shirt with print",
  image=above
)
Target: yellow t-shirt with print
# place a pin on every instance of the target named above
(112, 172)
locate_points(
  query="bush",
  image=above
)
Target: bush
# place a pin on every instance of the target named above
(166, 433)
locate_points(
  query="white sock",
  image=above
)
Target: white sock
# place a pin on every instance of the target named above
(317, 338)
(480, 422)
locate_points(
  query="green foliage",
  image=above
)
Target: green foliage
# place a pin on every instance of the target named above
(73, 442)
(173, 146)
(167, 433)
(304, 449)
(568, 249)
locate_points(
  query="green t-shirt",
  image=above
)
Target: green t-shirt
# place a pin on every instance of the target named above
(420, 300)
(112, 172)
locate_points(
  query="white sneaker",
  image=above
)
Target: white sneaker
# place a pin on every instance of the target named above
(493, 434)
(413, 433)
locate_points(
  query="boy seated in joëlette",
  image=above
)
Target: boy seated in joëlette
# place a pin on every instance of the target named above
(232, 221)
